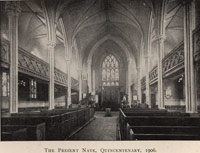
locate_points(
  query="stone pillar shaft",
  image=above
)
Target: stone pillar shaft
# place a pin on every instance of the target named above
(139, 86)
(93, 81)
(148, 62)
(148, 100)
(13, 10)
(190, 93)
(51, 46)
(160, 50)
(89, 76)
(80, 84)
(129, 82)
(69, 84)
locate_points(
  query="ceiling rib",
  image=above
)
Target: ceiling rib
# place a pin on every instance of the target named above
(81, 19)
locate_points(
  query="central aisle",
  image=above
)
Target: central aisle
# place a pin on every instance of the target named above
(100, 129)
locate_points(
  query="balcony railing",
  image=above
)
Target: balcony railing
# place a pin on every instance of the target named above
(153, 75)
(31, 65)
(196, 44)
(174, 59)
(4, 56)
(171, 62)
(34, 66)
(196, 39)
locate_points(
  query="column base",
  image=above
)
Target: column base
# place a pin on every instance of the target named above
(192, 112)
(13, 112)
(52, 106)
(69, 103)
(161, 107)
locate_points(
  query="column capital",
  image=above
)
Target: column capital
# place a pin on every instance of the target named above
(51, 44)
(160, 38)
(13, 8)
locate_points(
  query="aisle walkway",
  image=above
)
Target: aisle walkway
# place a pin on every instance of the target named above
(100, 129)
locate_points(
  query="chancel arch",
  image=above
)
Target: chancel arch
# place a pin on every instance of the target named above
(106, 50)
(105, 38)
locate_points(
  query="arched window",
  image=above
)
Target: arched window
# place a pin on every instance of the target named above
(110, 71)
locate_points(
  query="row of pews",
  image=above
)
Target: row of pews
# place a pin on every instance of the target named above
(155, 124)
(58, 124)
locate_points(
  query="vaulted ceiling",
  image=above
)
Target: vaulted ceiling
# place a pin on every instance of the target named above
(85, 23)
(89, 21)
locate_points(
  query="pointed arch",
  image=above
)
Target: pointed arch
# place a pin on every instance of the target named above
(109, 37)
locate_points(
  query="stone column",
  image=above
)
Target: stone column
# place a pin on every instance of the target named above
(69, 84)
(160, 50)
(148, 100)
(93, 81)
(89, 64)
(80, 84)
(51, 53)
(129, 82)
(190, 93)
(139, 93)
(13, 10)
(148, 62)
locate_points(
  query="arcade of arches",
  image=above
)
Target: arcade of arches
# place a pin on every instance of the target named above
(54, 53)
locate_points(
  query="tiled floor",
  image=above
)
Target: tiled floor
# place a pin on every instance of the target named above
(100, 129)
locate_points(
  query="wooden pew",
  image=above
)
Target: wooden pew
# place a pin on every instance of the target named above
(13, 134)
(142, 109)
(55, 128)
(162, 120)
(169, 126)
(59, 123)
(129, 133)
(52, 122)
(33, 132)
(152, 112)
(165, 132)
(35, 128)
(123, 125)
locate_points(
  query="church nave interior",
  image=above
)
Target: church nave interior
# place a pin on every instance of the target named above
(65, 63)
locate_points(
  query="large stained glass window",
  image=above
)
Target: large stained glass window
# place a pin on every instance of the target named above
(110, 71)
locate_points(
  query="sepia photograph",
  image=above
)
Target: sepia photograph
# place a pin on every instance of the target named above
(121, 76)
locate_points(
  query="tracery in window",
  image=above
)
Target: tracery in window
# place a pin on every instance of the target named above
(33, 89)
(110, 71)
